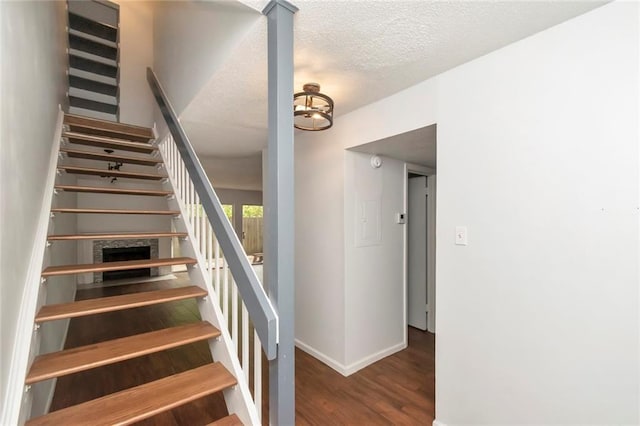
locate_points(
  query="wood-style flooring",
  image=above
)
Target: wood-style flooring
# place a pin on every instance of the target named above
(398, 390)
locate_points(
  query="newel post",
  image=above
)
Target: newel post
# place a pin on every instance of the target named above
(279, 208)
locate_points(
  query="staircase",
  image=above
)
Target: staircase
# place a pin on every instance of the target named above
(97, 141)
(94, 58)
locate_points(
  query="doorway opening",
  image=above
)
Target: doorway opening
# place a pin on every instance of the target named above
(420, 247)
(380, 186)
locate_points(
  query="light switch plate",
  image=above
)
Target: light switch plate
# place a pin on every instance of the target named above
(461, 235)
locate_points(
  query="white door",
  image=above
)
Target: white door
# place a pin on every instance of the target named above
(417, 253)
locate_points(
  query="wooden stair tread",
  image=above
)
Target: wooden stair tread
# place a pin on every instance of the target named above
(141, 402)
(112, 126)
(115, 266)
(98, 156)
(121, 191)
(231, 420)
(116, 236)
(70, 361)
(105, 142)
(110, 173)
(115, 211)
(116, 303)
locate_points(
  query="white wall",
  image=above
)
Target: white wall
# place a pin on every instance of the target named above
(241, 173)
(549, 282)
(33, 85)
(373, 256)
(239, 197)
(191, 40)
(136, 54)
(319, 245)
(538, 157)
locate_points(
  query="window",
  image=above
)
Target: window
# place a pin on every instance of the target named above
(252, 228)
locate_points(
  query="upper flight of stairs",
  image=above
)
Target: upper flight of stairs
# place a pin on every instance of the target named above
(94, 58)
(146, 400)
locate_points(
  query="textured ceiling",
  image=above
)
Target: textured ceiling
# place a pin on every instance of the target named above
(359, 52)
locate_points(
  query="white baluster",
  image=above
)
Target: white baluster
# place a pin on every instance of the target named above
(174, 161)
(196, 219)
(172, 157)
(216, 254)
(245, 341)
(192, 199)
(257, 373)
(209, 248)
(180, 172)
(183, 183)
(234, 316)
(187, 179)
(187, 188)
(225, 289)
(204, 221)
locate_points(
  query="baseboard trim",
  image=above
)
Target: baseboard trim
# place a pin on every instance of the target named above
(347, 370)
(437, 422)
(340, 368)
(366, 361)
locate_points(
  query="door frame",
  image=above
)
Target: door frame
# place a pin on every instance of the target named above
(431, 216)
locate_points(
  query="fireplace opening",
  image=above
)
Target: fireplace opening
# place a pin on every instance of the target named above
(122, 254)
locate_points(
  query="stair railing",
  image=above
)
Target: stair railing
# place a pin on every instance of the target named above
(250, 317)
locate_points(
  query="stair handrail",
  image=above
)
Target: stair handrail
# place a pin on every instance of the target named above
(262, 313)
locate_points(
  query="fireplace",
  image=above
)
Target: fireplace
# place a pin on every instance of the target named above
(128, 248)
(119, 254)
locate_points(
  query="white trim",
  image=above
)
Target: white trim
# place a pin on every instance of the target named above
(405, 255)
(366, 361)
(20, 359)
(347, 370)
(340, 368)
(432, 184)
(437, 422)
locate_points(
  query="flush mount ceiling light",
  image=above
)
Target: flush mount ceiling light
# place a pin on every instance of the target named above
(312, 110)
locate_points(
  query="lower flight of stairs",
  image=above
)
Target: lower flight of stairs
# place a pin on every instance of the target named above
(144, 401)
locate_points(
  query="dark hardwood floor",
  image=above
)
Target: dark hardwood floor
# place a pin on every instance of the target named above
(399, 389)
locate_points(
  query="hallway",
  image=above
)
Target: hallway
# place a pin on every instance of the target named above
(396, 390)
